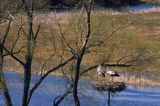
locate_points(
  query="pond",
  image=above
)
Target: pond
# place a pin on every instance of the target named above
(138, 7)
(145, 6)
(54, 86)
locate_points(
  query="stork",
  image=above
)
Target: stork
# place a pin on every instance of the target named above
(112, 73)
(100, 71)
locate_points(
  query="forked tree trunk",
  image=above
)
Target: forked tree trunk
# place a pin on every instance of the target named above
(31, 40)
(81, 53)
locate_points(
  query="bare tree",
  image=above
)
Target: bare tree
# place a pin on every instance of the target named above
(82, 47)
(7, 7)
(31, 37)
(128, 59)
(31, 42)
(3, 82)
(80, 54)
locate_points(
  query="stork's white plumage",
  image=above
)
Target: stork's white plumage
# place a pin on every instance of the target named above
(112, 73)
(100, 71)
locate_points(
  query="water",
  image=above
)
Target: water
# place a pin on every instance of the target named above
(54, 86)
(138, 7)
(145, 6)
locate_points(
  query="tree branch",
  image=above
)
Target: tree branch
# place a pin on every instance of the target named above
(13, 56)
(46, 74)
(106, 65)
(6, 33)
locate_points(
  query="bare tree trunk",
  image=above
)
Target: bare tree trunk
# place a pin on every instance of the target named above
(80, 55)
(2, 77)
(75, 83)
(3, 81)
(27, 78)
(7, 97)
(31, 40)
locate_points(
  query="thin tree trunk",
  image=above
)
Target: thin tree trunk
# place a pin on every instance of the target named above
(81, 54)
(27, 78)
(29, 56)
(75, 83)
(27, 69)
(3, 81)
(5, 90)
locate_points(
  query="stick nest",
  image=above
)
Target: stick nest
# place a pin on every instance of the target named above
(112, 87)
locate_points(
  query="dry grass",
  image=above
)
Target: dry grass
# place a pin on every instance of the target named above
(143, 32)
(137, 81)
(128, 80)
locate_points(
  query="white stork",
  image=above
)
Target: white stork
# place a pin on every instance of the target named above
(100, 71)
(112, 73)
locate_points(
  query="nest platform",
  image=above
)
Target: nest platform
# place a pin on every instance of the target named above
(111, 87)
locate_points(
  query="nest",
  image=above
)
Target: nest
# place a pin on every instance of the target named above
(112, 87)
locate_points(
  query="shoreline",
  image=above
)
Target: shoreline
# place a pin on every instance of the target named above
(40, 17)
(131, 80)
(128, 11)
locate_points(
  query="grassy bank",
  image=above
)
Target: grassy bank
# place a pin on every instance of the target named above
(133, 80)
(138, 34)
